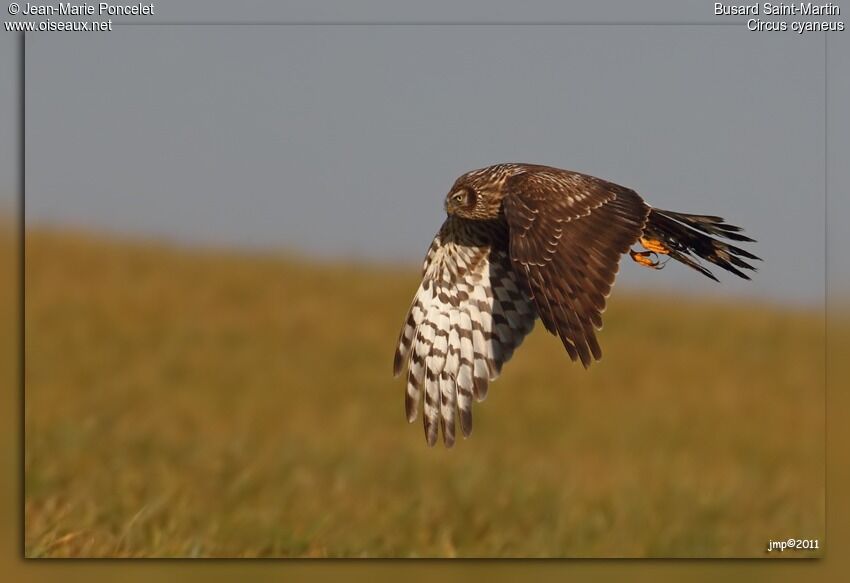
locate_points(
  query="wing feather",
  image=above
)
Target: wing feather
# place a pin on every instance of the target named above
(469, 315)
(567, 234)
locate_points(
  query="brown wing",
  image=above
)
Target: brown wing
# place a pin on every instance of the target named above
(468, 317)
(567, 233)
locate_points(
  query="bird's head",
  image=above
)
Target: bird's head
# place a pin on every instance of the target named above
(477, 195)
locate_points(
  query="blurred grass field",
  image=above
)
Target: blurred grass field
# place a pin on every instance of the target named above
(184, 402)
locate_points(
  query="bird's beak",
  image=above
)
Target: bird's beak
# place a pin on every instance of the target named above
(450, 204)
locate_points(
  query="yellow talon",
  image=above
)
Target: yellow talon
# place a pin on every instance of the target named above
(644, 258)
(654, 245)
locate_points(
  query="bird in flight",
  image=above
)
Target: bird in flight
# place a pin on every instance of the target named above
(521, 242)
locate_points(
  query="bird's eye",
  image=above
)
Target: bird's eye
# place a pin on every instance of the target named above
(459, 197)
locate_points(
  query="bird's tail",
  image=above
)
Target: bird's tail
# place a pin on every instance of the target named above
(690, 238)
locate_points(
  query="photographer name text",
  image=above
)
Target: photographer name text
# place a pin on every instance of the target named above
(99, 9)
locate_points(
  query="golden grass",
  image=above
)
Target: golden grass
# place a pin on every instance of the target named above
(209, 403)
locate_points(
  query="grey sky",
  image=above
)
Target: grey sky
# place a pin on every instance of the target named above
(342, 141)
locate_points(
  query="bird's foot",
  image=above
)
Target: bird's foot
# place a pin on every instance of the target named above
(646, 258)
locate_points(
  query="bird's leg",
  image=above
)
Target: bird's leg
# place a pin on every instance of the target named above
(649, 258)
(654, 245)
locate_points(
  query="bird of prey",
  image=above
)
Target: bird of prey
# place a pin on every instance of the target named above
(521, 242)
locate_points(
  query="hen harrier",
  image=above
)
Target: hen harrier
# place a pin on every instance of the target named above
(523, 241)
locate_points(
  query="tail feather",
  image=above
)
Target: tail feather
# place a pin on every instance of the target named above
(688, 238)
(710, 225)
